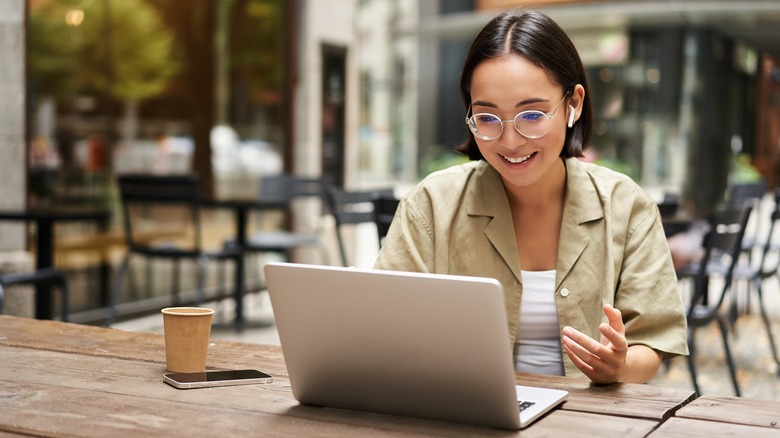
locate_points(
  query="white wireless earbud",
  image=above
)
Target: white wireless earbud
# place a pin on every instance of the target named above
(571, 116)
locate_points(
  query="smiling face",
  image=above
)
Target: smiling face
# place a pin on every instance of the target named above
(505, 86)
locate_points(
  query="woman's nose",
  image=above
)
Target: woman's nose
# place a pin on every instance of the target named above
(510, 136)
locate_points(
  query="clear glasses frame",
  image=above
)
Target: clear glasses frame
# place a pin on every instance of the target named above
(523, 118)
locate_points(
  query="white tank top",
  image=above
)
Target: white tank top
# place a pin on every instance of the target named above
(538, 342)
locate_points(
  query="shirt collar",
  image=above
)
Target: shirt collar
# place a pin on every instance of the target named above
(582, 202)
(582, 199)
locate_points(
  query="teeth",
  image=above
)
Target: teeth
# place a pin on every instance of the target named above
(518, 159)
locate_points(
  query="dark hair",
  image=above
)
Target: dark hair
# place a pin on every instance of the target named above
(540, 40)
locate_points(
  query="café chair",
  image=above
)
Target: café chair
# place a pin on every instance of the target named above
(385, 206)
(41, 277)
(753, 193)
(722, 243)
(284, 190)
(161, 216)
(669, 206)
(351, 208)
(768, 267)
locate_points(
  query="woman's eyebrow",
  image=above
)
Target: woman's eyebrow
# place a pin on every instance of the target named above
(483, 103)
(530, 101)
(517, 105)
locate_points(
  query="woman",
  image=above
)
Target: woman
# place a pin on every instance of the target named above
(579, 249)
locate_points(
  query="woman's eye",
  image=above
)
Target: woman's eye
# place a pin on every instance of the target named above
(487, 118)
(531, 116)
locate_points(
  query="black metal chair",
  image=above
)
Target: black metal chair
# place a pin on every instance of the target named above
(45, 277)
(722, 247)
(285, 190)
(669, 205)
(740, 193)
(768, 267)
(385, 205)
(161, 217)
(351, 208)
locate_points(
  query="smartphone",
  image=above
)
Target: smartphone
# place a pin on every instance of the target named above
(216, 378)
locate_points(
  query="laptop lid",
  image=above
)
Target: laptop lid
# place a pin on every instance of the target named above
(421, 345)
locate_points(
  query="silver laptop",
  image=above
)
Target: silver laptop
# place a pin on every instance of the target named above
(410, 344)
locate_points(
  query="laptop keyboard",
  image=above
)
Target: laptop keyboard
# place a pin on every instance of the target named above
(525, 404)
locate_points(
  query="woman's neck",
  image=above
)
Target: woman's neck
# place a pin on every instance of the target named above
(550, 187)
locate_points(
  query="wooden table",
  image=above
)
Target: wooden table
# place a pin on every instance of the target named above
(44, 219)
(63, 379)
(712, 416)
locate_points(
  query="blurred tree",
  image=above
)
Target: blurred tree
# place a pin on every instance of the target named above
(53, 48)
(93, 46)
(131, 50)
(257, 70)
(193, 24)
(113, 50)
(256, 43)
(139, 48)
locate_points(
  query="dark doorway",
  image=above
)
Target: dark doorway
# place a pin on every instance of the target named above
(334, 66)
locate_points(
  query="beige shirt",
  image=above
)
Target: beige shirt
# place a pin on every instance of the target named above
(612, 249)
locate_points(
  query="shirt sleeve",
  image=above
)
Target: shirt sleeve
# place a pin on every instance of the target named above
(647, 294)
(409, 244)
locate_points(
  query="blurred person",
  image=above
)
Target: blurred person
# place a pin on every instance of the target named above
(580, 250)
(162, 156)
(96, 153)
(42, 154)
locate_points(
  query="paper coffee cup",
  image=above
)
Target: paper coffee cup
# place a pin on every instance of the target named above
(187, 331)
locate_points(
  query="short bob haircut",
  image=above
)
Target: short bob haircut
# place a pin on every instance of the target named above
(540, 40)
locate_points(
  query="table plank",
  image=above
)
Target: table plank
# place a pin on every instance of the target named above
(122, 344)
(66, 411)
(562, 423)
(66, 367)
(132, 377)
(736, 410)
(623, 399)
(629, 400)
(57, 392)
(689, 428)
(63, 389)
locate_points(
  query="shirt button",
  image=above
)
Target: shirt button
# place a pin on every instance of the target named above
(565, 292)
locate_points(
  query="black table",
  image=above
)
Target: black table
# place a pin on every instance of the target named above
(45, 218)
(241, 209)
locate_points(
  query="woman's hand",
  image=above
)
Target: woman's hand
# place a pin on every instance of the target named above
(610, 360)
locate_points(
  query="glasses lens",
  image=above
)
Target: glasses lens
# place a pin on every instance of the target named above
(486, 126)
(532, 124)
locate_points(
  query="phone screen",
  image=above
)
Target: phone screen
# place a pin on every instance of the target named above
(216, 378)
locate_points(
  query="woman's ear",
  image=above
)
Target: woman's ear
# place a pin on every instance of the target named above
(576, 104)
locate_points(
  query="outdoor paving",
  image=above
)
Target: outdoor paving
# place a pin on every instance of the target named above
(757, 373)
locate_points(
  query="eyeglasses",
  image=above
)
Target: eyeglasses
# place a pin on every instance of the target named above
(530, 124)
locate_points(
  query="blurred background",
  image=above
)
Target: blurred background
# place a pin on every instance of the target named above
(362, 93)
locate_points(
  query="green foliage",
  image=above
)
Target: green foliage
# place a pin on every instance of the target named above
(121, 46)
(437, 158)
(140, 49)
(256, 42)
(52, 48)
(618, 166)
(742, 171)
